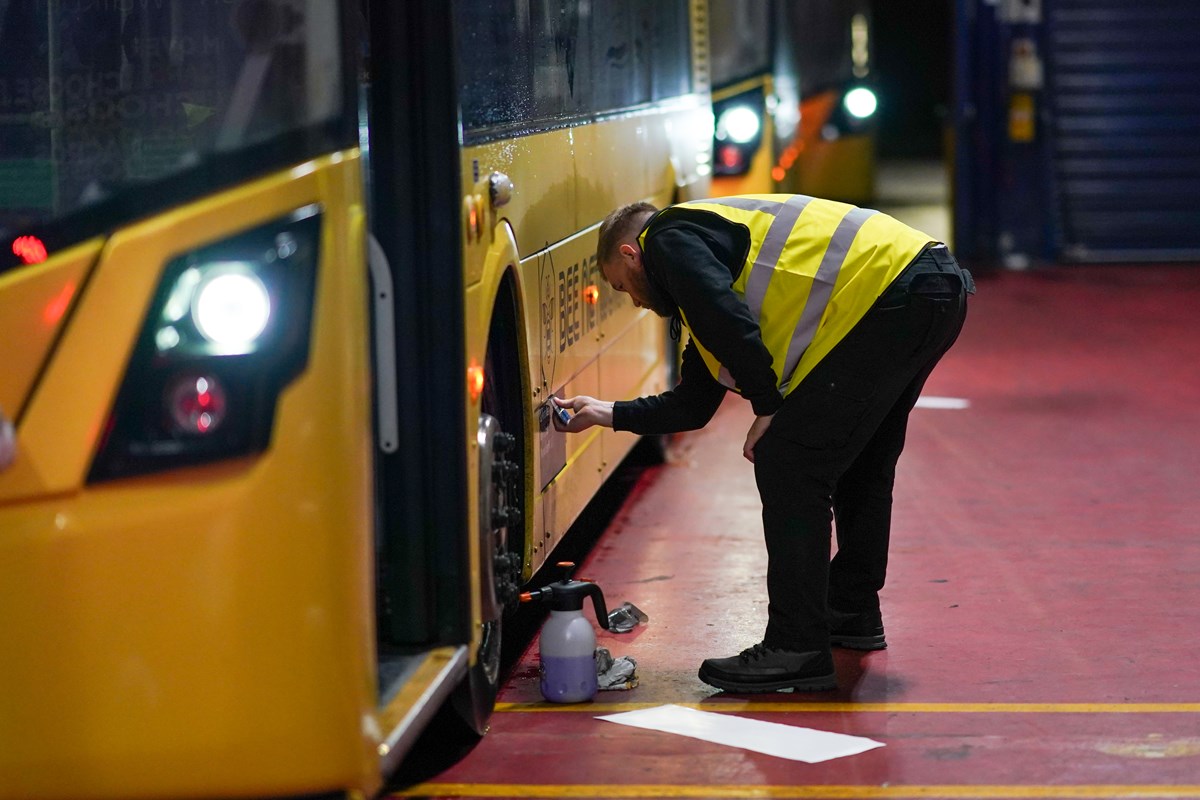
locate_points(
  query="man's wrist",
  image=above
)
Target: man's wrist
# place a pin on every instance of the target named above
(615, 411)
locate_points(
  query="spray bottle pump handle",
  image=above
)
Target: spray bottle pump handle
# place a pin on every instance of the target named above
(590, 589)
(570, 593)
(593, 590)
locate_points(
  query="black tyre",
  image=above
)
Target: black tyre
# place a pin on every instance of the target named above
(501, 490)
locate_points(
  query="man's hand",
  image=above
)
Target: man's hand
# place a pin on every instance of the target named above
(586, 412)
(754, 434)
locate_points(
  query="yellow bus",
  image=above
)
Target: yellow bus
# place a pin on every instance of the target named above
(792, 98)
(284, 288)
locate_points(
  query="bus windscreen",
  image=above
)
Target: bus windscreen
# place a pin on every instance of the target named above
(111, 105)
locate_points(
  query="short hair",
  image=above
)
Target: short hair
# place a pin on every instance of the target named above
(620, 226)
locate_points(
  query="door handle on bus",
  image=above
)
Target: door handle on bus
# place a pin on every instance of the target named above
(385, 346)
(500, 189)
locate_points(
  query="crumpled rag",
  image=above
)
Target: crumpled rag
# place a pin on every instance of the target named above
(615, 673)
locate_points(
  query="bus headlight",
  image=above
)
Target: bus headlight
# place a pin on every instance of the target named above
(227, 330)
(860, 102)
(739, 124)
(738, 133)
(231, 307)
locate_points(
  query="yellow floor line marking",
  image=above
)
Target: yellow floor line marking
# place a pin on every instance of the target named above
(909, 708)
(946, 792)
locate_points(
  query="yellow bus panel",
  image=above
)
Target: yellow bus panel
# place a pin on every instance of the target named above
(33, 305)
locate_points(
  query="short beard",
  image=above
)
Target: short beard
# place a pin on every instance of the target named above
(658, 301)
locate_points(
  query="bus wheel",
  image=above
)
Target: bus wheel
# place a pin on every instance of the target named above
(501, 532)
(499, 575)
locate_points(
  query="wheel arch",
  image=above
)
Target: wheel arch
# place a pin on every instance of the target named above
(495, 342)
(501, 314)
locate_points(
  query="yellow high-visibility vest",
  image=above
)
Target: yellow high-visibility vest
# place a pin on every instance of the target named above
(813, 270)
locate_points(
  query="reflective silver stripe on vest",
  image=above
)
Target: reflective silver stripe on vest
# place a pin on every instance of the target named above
(786, 214)
(822, 289)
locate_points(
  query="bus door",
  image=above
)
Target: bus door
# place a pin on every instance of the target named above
(408, 133)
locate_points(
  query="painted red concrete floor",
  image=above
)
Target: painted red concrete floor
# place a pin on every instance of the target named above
(1042, 609)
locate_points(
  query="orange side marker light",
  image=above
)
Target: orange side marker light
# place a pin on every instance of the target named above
(475, 381)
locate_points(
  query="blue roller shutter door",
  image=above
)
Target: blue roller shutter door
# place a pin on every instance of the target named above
(1125, 128)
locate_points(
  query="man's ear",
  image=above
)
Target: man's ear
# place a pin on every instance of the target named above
(628, 250)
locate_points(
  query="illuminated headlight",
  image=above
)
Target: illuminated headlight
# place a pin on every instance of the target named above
(739, 124)
(221, 306)
(860, 102)
(231, 307)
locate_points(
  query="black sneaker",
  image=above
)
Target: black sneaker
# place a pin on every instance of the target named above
(856, 630)
(765, 669)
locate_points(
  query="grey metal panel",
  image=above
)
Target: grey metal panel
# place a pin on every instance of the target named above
(1124, 101)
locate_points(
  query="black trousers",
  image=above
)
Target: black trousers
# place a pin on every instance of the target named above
(831, 452)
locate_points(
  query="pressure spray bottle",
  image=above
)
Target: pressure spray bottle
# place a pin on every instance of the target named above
(568, 643)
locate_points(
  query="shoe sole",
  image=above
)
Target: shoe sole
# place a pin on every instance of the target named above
(859, 642)
(821, 683)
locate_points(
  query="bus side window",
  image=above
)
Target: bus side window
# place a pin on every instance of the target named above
(568, 60)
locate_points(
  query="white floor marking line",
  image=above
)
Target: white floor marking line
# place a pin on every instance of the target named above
(957, 403)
